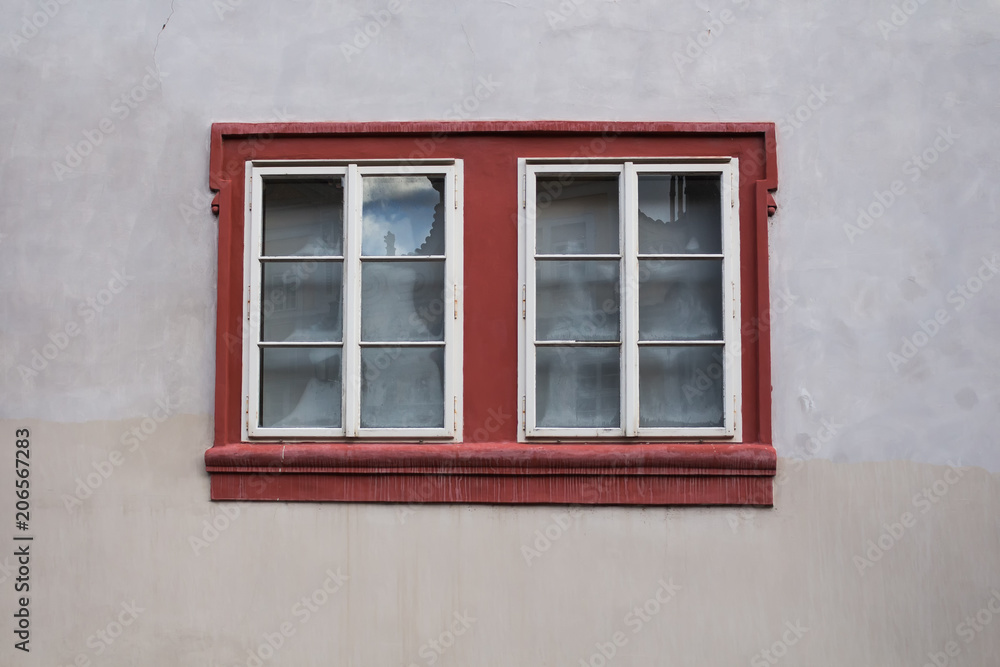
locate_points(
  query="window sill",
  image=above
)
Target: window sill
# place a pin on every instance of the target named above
(514, 473)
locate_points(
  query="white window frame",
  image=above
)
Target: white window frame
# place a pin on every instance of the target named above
(628, 170)
(351, 344)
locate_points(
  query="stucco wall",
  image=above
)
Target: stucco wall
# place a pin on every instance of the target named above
(885, 366)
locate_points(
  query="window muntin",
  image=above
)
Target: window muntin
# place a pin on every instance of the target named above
(352, 318)
(631, 299)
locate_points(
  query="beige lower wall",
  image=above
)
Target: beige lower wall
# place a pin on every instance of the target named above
(734, 582)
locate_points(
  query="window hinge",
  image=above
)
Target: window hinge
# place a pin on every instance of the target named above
(456, 304)
(524, 192)
(524, 302)
(455, 409)
(524, 409)
(456, 192)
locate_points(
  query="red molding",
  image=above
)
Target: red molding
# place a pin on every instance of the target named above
(497, 489)
(501, 458)
(226, 131)
(502, 470)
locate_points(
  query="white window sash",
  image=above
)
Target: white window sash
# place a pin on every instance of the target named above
(351, 339)
(629, 170)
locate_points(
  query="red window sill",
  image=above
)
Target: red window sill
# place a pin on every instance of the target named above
(515, 473)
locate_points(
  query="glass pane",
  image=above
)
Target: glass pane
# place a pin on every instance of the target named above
(576, 214)
(402, 215)
(300, 387)
(577, 387)
(301, 301)
(402, 387)
(680, 299)
(402, 301)
(680, 214)
(304, 216)
(577, 300)
(680, 386)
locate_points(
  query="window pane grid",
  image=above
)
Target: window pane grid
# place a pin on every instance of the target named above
(682, 386)
(578, 301)
(579, 343)
(643, 343)
(579, 387)
(577, 257)
(400, 258)
(311, 343)
(388, 387)
(681, 300)
(678, 256)
(301, 301)
(301, 387)
(301, 258)
(402, 343)
(678, 212)
(667, 325)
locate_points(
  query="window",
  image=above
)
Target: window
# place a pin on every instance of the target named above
(493, 312)
(353, 324)
(630, 274)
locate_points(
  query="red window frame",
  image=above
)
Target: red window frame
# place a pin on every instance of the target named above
(490, 465)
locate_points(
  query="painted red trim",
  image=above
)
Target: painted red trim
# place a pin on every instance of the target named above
(502, 458)
(497, 489)
(491, 466)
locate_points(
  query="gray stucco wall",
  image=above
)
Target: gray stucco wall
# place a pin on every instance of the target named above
(885, 365)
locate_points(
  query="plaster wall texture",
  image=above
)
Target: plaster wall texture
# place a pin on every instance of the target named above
(874, 102)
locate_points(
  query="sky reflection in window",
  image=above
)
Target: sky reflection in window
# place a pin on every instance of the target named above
(402, 215)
